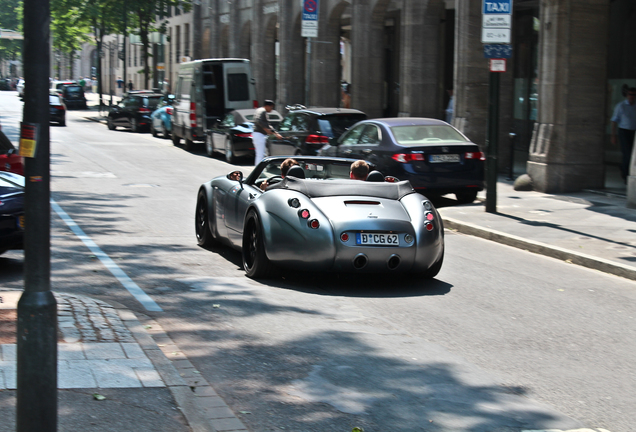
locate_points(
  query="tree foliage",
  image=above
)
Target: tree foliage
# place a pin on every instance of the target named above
(11, 19)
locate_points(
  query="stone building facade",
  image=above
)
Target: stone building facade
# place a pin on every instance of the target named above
(569, 64)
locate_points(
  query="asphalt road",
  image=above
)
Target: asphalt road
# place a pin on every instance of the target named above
(501, 340)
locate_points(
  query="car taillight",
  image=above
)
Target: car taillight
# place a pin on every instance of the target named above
(304, 213)
(169, 111)
(193, 114)
(144, 110)
(314, 224)
(475, 155)
(407, 157)
(60, 107)
(243, 135)
(317, 139)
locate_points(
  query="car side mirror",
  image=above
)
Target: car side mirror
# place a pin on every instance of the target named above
(236, 176)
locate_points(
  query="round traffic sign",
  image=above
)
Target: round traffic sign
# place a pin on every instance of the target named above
(310, 6)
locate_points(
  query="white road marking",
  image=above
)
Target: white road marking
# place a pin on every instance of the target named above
(121, 276)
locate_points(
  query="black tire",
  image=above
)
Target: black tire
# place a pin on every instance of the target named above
(230, 157)
(134, 126)
(166, 134)
(175, 139)
(202, 222)
(255, 261)
(466, 197)
(434, 269)
(188, 145)
(153, 131)
(111, 124)
(63, 122)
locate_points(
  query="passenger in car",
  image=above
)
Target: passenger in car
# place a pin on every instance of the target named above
(359, 170)
(284, 168)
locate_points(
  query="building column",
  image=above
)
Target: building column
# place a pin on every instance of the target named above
(325, 61)
(366, 56)
(292, 54)
(471, 73)
(262, 50)
(566, 152)
(421, 86)
(234, 33)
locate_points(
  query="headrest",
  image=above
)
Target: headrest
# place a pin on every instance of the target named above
(375, 176)
(296, 171)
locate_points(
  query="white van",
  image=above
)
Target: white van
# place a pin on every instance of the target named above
(205, 91)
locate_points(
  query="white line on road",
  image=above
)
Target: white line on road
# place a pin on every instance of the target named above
(121, 276)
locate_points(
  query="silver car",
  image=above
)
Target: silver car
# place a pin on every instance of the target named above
(318, 219)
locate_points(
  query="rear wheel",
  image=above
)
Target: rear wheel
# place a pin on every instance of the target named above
(175, 139)
(255, 261)
(466, 197)
(153, 131)
(209, 145)
(189, 145)
(432, 270)
(111, 124)
(202, 222)
(63, 121)
(229, 151)
(134, 126)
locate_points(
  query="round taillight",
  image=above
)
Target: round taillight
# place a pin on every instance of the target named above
(408, 238)
(344, 237)
(304, 213)
(429, 226)
(314, 224)
(293, 202)
(429, 216)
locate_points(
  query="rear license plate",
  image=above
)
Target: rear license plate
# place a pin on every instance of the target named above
(374, 239)
(441, 158)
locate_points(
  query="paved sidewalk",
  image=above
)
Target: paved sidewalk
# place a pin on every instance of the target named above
(588, 228)
(106, 350)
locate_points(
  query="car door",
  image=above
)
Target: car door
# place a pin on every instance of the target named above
(276, 146)
(220, 130)
(117, 112)
(237, 201)
(368, 143)
(349, 141)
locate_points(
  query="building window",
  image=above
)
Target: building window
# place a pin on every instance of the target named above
(186, 37)
(177, 45)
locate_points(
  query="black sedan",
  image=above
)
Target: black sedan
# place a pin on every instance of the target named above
(11, 211)
(434, 156)
(57, 109)
(134, 110)
(232, 134)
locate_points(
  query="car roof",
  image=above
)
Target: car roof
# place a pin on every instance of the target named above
(408, 121)
(324, 111)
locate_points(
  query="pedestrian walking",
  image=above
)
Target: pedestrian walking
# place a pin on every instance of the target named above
(624, 127)
(130, 85)
(262, 128)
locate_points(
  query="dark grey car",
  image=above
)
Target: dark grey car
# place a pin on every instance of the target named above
(306, 131)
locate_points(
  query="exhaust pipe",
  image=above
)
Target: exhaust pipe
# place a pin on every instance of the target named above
(360, 261)
(393, 262)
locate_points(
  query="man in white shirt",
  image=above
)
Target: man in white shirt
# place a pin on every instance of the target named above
(624, 122)
(262, 128)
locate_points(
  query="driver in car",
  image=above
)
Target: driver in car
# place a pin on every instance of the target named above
(284, 168)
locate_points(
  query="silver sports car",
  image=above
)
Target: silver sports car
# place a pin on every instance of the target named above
(318, 219)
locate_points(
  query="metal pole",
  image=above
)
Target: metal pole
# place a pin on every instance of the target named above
(511, 161)
(308, 72)
(37, 308)
(492, 143)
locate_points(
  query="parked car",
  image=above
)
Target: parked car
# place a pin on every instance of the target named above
(58, 85)
(232, 135)
(57, 109)
(205, 91)
(73, 95)
(161, 118)
(133, 111)
(12, 214)
(10, 160)
(20, 88)
(305, 131)
(434, 156)
(318, 219)
(5, 84)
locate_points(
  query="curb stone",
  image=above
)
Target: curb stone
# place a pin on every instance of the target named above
(203, 408)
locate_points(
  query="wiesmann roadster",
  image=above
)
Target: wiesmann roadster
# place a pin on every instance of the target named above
(318, 219)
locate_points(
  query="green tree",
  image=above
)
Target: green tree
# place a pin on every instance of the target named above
(11, 19)
(69, 29)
